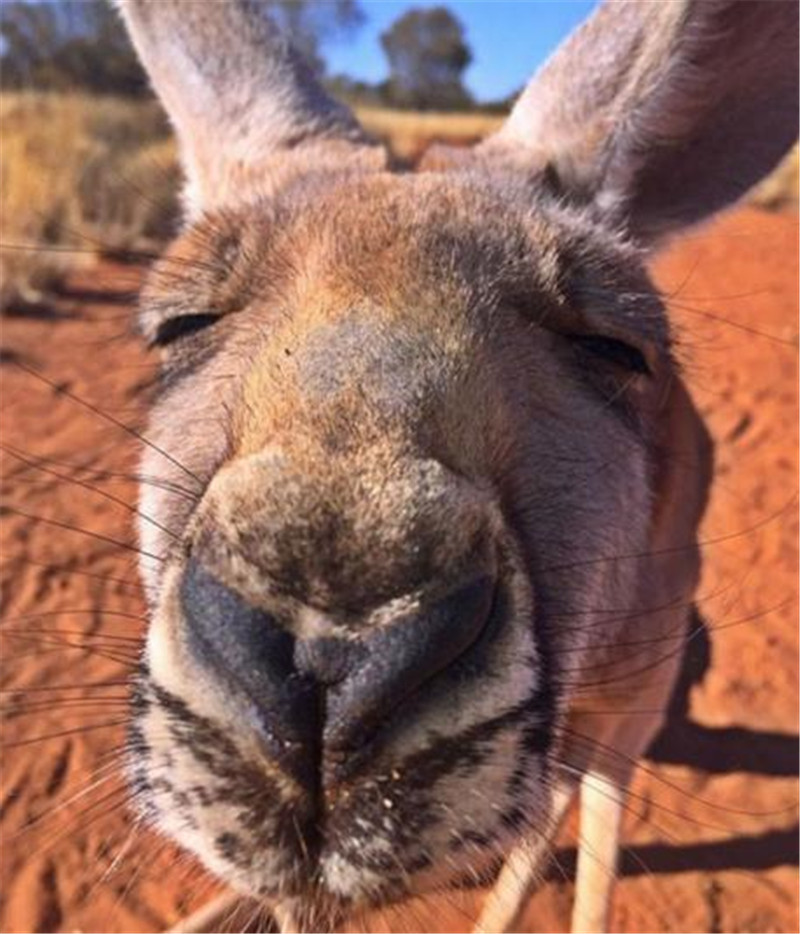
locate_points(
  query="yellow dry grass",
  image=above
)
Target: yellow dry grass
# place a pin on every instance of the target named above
(408, 133)
(80, 175)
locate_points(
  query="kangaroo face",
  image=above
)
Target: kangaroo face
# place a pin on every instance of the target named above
(415, 424)
(424, 465)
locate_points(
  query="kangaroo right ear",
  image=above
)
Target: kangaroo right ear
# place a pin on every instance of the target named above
(657, 113)
(236, 92)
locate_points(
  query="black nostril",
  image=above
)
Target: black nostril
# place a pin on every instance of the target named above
(395, 661)
(254, 655)
(335, 692)
(246, 639)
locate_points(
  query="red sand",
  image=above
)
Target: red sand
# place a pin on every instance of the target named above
(713, 829)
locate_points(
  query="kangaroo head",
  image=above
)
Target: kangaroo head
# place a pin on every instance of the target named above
(421, 443)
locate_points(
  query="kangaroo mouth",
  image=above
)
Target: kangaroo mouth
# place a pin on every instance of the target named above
(323, 707)
(380, 795)
(348, 752)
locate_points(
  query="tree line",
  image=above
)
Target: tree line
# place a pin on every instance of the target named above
(82, 45)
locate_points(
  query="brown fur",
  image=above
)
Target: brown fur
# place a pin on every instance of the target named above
(408, 382)
(373, 398)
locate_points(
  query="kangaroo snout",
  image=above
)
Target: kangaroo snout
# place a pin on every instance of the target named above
(268, 612)
(312, 699)
(394, 662)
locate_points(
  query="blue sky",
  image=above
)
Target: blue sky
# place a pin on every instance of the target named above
(509, 39)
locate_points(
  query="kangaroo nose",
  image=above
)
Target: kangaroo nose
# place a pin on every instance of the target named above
(388, 664)
(252, 657)
(357, 681)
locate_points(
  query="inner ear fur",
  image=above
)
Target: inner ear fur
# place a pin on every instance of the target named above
(247, 111)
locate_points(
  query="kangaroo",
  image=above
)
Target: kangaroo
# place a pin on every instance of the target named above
(444, 470)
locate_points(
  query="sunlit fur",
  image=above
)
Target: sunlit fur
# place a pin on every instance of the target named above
(396, 352)
(408, 386)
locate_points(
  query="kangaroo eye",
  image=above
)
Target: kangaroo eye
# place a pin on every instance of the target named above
(614, 351)
(174, 329)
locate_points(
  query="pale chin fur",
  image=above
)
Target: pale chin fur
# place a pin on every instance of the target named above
(470, 800)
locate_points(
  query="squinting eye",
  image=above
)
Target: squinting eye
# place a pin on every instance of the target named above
(613, 351)
(173, 329)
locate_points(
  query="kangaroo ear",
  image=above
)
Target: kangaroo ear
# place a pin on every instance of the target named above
(660, 113)
(235, 91)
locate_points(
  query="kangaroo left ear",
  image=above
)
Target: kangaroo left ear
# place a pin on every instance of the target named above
(657, 113)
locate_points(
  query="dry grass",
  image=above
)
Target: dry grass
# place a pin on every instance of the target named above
(408, 134)
(82, 175)
(78, 176)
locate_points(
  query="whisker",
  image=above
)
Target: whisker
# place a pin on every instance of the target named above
(676, 635)
(58, 649)
(106, 637)
(81, 686)
(74, 731)
(100, 776)
(631, 614)
(88, 611)
(677, 549)
(64, 569)
(89, 705)
(73, 528)
(113, 653)
(98, 474)
(595, 745)
(109, 418)
(128, 255)
(692, 309)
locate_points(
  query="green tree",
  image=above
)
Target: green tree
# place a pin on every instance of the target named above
(83, 43)
(68, 45)
(428, 53)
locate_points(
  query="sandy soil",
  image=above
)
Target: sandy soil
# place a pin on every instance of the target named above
(712, 834)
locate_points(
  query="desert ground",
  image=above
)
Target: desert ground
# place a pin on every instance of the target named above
(711, 835)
